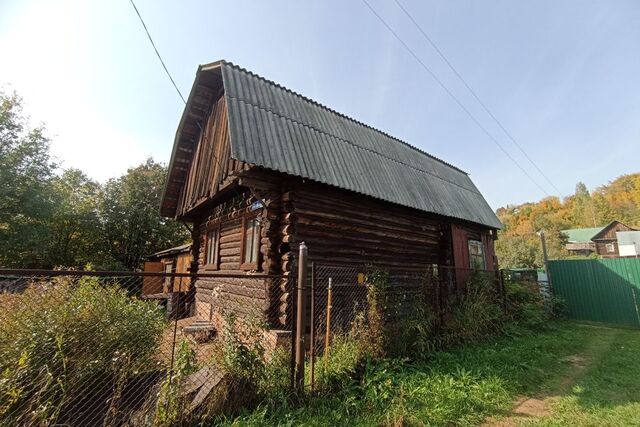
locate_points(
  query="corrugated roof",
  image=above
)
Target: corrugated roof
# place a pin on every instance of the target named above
(275, 128)
(171, 251)
(582, 235)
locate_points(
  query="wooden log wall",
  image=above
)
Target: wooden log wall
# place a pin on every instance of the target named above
(246, 296)
(340, 227)
(211, 164)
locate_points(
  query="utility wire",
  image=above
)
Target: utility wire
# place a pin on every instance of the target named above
(446, 89)
(484, 106)
(158, 53)
(166, 70)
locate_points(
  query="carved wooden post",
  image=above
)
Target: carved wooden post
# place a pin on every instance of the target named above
(301, 318)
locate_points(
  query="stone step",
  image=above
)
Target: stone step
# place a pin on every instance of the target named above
(199, 327)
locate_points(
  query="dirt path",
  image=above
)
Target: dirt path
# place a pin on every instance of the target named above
(527, 407)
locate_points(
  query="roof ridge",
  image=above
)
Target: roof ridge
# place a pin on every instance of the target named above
(312, 101)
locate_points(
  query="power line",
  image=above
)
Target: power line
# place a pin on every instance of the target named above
(166, 70)
(484, 107)
(158, 53)
(460, 104)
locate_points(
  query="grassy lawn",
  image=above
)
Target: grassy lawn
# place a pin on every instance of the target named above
(571, 374)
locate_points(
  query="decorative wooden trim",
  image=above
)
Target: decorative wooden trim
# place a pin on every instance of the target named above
(215, 265)
(249, 266)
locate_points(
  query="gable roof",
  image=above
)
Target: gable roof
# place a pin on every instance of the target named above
(582, 235)
(275, 128)
(602, 233)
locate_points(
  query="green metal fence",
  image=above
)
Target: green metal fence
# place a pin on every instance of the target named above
(606, 290)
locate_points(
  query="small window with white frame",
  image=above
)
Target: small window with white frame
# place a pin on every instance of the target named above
(476, 255)
(611, 247)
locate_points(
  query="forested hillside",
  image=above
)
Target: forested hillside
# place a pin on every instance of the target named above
(518, 244)
(52, 217)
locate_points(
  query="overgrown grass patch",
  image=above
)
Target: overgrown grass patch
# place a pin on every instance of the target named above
(467, 385)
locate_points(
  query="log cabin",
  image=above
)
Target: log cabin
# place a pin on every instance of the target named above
(257, 168)
(606, 240)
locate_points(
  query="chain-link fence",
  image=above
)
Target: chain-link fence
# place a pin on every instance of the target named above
(341, 297)
(92, 348)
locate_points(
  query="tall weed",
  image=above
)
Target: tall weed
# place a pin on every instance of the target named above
(64, 342)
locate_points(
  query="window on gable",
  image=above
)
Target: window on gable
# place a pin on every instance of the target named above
(250, 243)
(476, 255)
(211, 248)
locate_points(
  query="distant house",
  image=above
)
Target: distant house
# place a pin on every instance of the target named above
(579, 240)
(600, 240)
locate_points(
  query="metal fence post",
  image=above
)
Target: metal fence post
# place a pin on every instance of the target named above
(301, 317)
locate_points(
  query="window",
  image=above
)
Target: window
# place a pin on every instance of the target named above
(611, 247)
(250, 243)
(211, 248)
(168, 268)
(476, 255)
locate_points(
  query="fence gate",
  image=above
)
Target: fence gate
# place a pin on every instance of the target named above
(606, 290)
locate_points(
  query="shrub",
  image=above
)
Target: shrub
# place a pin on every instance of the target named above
(65, 343)
(476, 316)
(525, 305)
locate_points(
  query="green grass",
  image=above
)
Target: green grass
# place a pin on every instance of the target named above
(478, 383)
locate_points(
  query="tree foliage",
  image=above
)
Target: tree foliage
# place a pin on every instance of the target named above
(51, 217)
(132, 225)
(26, 200)
(518, 243)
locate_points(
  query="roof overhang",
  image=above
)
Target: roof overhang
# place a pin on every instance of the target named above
(206, 87)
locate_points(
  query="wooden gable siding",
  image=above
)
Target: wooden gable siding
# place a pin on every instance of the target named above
(211, 164)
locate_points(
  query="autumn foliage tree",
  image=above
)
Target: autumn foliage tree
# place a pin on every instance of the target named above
(518, 243)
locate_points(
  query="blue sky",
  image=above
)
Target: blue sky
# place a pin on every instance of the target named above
(562, 76)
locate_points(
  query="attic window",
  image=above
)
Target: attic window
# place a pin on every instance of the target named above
(476, 255)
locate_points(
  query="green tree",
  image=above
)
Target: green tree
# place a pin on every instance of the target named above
(26, 199)
(132, 227)
(74, 225)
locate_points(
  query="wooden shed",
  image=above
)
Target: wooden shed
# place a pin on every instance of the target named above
(172, 260)
(257, 169)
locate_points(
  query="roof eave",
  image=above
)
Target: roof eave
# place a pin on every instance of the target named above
(186, 113)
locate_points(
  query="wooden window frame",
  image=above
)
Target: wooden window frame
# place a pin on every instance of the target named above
(610, 247)
(167, 285)
(244, 265)
(216, 251)
(471, 256)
